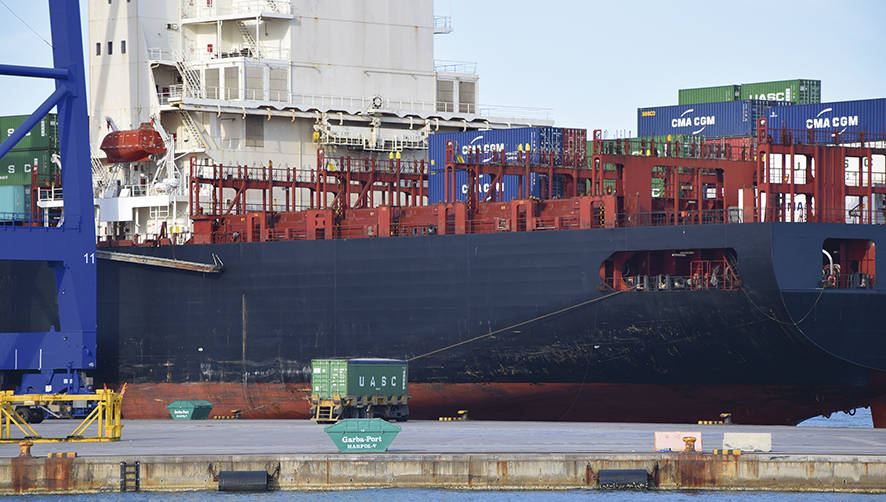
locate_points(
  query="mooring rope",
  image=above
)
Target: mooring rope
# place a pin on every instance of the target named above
(512, 326)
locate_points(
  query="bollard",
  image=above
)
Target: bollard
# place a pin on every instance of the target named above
(690, 444)
(25, 448)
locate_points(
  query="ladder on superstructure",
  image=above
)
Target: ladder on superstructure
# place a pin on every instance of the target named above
(193, 130)
(190, 76)
(250, 40)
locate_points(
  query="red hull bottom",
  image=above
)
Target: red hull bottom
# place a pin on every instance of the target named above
(751, 404)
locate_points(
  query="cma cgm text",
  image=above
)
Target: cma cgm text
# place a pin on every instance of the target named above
(693, 121)
(825, 122)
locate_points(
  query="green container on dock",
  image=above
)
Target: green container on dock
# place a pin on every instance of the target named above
(355, 435)
(43, 136)
(797, 91)
(189, 410)
(358, 377)
(714, 94)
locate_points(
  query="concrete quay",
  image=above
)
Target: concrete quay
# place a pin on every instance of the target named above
(297, 455)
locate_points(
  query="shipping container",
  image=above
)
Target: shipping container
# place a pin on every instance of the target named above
(712, 120)
(866, 115)
(797, 91)
(355, 378)
(715, 94)
(487, 144)
(43, 136)
(15, 203)
(17, 168)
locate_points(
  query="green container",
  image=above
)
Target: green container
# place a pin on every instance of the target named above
(358, 377)
(797, 91)
(17, 166)
(43, 136)
(189, 410)
(709, 94)
(356, 435)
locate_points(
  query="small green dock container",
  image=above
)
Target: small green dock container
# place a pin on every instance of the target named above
(355, 435)
(189, 410)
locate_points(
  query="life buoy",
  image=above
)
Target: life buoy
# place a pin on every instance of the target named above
(832, 281)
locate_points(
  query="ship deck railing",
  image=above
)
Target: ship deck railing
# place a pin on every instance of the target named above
(349, 104)
(242, 8)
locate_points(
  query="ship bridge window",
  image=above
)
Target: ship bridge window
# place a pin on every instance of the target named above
(848, 264)
(671, 270)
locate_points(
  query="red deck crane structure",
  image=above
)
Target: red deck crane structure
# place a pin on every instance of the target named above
(616, 183)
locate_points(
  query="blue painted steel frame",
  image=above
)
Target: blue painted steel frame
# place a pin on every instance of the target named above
(50, 361)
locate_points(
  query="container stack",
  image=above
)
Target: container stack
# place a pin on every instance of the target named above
(28, 165)
(545, 144)
(725, 116)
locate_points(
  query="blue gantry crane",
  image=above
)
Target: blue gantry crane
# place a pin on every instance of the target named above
(54, 361)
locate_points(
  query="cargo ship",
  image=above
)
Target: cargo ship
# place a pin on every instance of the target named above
(649, 280)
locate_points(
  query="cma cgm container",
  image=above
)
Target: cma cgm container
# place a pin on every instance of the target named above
(797, 91)
(712, 120)
(866, 115)
(358, 388)
(44, 135)
(486, 144)
(715, 94)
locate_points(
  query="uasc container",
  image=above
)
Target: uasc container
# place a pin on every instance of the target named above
(714, 94)
(797, 91)
(359, 388)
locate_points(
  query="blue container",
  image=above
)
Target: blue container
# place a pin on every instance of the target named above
(488, 142)
(15, 203)
(712, 120)
(866, 115)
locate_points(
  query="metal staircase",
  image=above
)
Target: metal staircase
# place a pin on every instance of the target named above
(194, 130)
(250, 40)
(190, 77)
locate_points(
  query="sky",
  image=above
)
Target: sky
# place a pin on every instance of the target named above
(594, 63)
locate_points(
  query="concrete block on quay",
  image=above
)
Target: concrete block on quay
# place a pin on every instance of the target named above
(748, 441)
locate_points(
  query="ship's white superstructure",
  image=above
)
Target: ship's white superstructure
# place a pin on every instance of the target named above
(252, 82)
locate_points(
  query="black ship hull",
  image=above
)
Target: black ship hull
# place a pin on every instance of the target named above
(776, 350)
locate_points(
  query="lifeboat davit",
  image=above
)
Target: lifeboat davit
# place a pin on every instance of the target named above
(133, 146)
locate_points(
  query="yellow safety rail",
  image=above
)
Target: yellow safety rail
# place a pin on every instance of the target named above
(106, 416)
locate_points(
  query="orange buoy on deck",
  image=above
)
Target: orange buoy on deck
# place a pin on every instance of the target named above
(133, 146)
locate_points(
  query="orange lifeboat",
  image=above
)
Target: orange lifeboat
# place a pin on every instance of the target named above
(133, 146)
